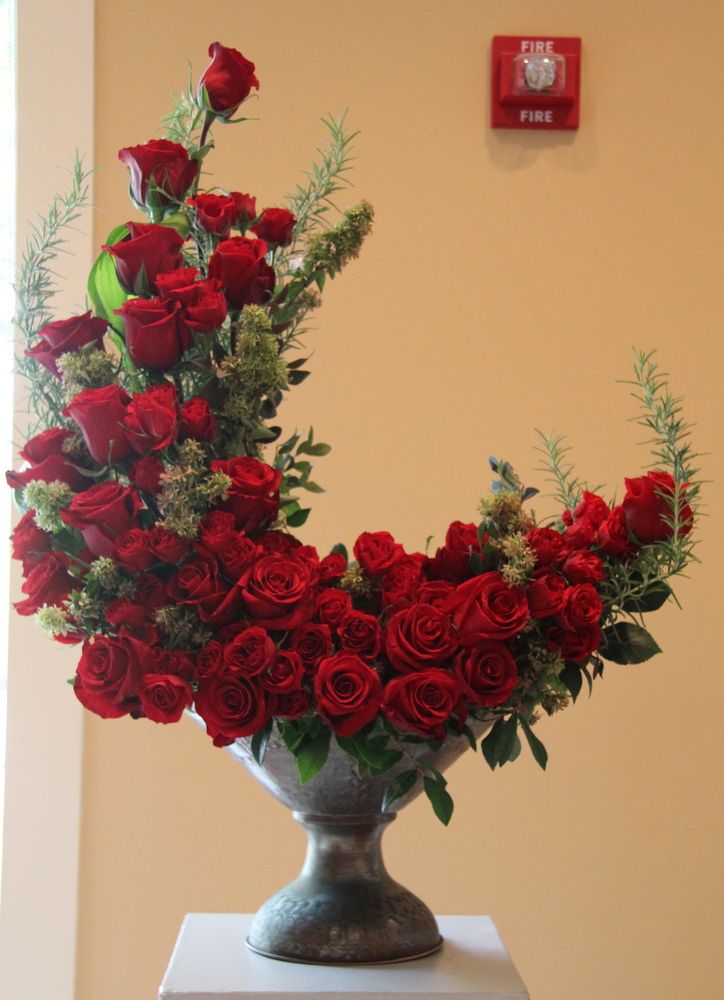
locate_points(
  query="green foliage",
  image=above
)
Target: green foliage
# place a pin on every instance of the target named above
(440, 799)
(559, 470)
(627, 642)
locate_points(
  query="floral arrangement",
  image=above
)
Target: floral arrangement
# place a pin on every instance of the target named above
(160, 498)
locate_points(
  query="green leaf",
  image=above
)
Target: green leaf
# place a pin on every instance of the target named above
(341, 549)
(312, 754)
(470, 735)
(312, 487)
(439, 797)
(572, 678)
(104, 289)
(402, 784)
(297, 519)
(540, 754)
(651, 599)
(315, 449)
(505, 747)
(260, 741)
(626, 642)
(490, 744)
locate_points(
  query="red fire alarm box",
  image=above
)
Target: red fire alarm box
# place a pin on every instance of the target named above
(535, 82)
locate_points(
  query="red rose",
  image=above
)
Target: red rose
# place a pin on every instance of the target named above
(176, 662)
(347, 691)
(284, 674)
(332, 567)
(239, 264)
(402, 581)
(583, 566)
(217, 529)
(487, 607)
(422, 702)
(164, 697)
(333, 606)
(547, 544)
(155, 336)
(217, 213)
(48, 462)
(133, 551)
(64, 335)
(123, 613)
(151, 591)
(167, 546)
(152, 418)
(254, 494)
(487, 673)
(581, 606)
(578, 535)
(276, 226)
(648, 503)
(292, 704)
(198, 582)
(591, 508)
(236, 556)
(227, 80)
(575, 645)
(613, 536)
(312, 642)
(181, 285)
(250, 652)
(545, 594)
(419, 637)
(197, 420)
(146, 472)
(360, 633)
(109, 673)
(203, 303)
(377, 551)
(278, 541)
(232, 705)
(101, 514)
(48, 582)
(161, 172)
(99, 414)
(209, 661)
(149, 250)
(452, 561)
(29, 541)
(277, 591)
(435, 592)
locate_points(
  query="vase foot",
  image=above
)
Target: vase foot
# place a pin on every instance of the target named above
(311, 961)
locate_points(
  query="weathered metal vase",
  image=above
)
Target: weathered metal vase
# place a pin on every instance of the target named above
(344, 908)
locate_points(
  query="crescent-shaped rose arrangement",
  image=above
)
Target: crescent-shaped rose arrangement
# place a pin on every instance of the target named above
(159, 497)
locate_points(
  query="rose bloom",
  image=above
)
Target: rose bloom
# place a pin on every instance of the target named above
(217, 213)
(591, 508)
(253, 497)
(420, 637)
(547, 544)
(161, 172)
(48, 462)
(648, 502)
(277, 591)
(164, 697)
(583, 566)
(613, 535)
(148, 250)
(575, 645)
(238, 554)
(347, 692)
(422, 702)
(217, 529)
(581, 606)
(377, 551)
(333, 606)
(167, 546)
(29, 542)
(487, 673)
(109, 673)
(402, 581)
(545, 594)
(227, 80)
(284, 674)
(209, 660)
(197, 420)
(155, 335)
(48, 582)
(361, 633)
(312, 642)
(251, 652)
(64, 335)
(232, 705)
(203, 303)
(133, 551)
(452, 561)
(152, 418)
(276, 226)
(487, 607)
(101, 514)
(99, 414)
(146, 472)
(239, 265)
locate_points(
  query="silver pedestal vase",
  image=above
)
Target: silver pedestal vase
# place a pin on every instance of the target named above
(344, 908)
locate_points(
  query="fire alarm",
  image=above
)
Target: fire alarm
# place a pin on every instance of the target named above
(535, 82)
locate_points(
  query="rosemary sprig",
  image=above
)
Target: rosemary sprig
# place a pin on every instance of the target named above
(560, 471)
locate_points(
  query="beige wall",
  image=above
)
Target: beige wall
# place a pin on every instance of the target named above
(507, 278)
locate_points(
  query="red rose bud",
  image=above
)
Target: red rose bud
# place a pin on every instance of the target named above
(420, 637)
(487, 607)
(377, 551)
(232, 705)
(276, 226)
(647, 504)
(545, 595)
(547, 544)
(422, 702)
(48, 582)
(48, 462)
(146, 472)
(197, 420)
(148, 251)
(180, 285)
(227, 81)
(347, 692)
(239, 265)
(487, 674)
(164, 697)
(217, 213)
(64, 335)
(254, 494)
(152, 418)
(161, 172)
(99, 414)
(101, 514)
(155, 336)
